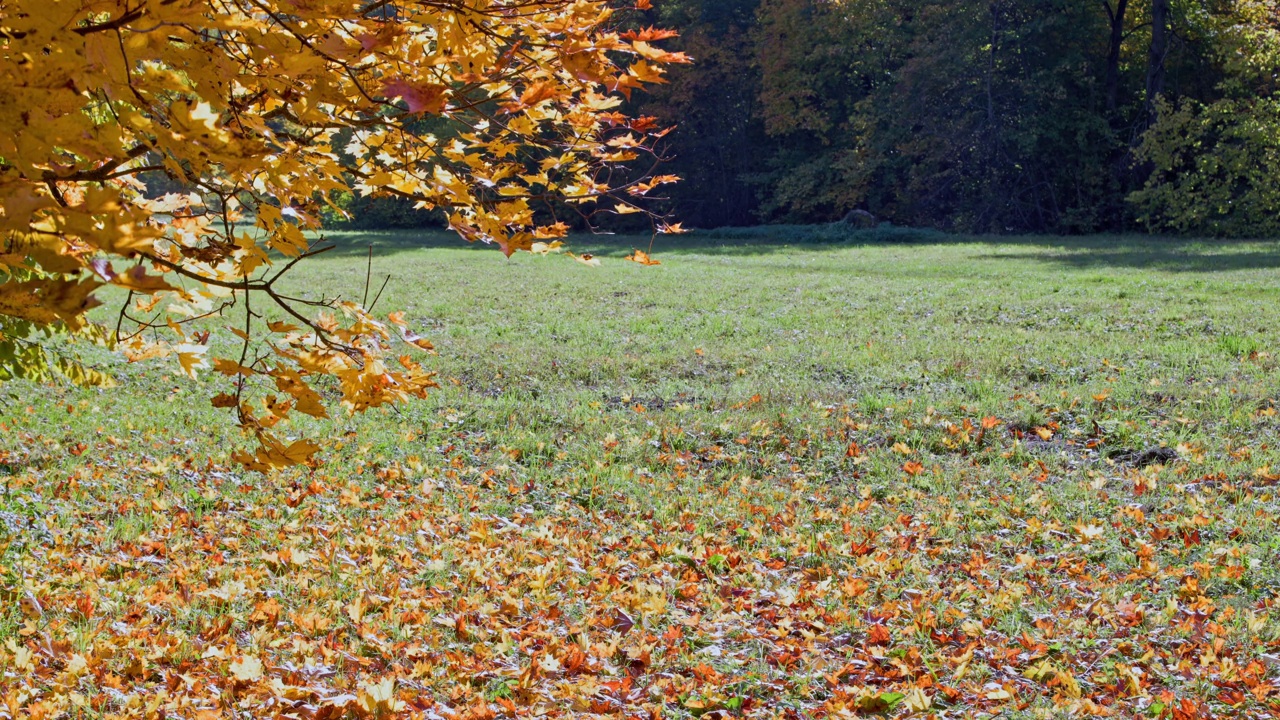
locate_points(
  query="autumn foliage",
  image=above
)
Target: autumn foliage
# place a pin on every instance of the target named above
(497, 112)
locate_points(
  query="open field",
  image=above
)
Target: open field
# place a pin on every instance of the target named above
(1026, 478)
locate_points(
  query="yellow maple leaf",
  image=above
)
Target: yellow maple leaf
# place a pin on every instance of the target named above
(192, 358)
(641, 257)
(23, 658)
(355, 609)
(916, 700)
(380, 696)
(247, 668)
(1090, 532)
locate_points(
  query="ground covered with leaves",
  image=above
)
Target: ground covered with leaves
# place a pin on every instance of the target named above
(1027, 479)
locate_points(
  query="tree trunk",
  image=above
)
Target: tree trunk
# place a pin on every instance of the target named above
(1156, 55)
(991, 65)
(1117, 17)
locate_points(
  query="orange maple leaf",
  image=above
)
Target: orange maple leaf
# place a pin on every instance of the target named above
(641, 257)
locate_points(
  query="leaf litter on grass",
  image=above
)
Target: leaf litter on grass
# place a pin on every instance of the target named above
(768, 566)
(749, 488)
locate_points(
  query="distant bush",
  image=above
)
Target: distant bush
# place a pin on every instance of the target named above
(379, 213)
(1214, 169)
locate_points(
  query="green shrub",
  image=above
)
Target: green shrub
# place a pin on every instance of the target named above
(1213, 169)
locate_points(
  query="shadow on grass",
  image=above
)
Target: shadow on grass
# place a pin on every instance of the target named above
(356, 243)
(728, 241)
(1085, 252)
(1165, 256)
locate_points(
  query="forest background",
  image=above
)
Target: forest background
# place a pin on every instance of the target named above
(1010, 116)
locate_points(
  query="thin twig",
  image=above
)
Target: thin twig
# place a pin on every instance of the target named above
(364, 301)
(375, 297)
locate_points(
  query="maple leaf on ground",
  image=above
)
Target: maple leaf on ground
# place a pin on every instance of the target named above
(380, 697)
(247, 669)
(1089, 533)
(916, 700)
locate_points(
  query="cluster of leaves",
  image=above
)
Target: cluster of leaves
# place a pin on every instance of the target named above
(838, 562)
(26, 352)
(266, 111)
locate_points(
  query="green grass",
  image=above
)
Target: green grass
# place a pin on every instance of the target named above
(689, 424)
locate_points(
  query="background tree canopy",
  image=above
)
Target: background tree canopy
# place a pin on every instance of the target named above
(1064, 116)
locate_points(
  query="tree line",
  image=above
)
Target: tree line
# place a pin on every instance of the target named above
(1006, 116)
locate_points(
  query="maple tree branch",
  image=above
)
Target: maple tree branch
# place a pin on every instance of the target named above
(107, 170)
(289, 266)
(283, 301)
(245, 102)
(124, 312)
(244, 354)
(183, 271)
(124, 19)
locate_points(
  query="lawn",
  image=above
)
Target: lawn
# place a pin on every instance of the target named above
(1028, 477)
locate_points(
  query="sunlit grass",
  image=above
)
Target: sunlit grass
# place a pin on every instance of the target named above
(757, 452)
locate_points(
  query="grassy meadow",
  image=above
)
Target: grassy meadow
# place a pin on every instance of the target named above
(778, 475)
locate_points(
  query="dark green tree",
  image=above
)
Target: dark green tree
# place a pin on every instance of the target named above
(718, 143)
